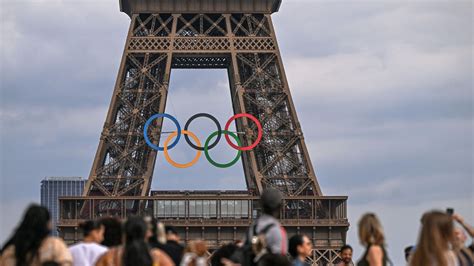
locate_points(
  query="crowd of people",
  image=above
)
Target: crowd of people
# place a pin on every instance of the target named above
(141, 241)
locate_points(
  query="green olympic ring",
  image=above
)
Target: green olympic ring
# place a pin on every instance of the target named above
(222, 165)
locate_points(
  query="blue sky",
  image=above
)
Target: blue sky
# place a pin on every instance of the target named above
(383, 91)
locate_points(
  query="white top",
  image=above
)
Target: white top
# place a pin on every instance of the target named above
(86, 254)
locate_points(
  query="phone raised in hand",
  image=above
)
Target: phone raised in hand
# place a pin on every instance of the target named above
(450, 211)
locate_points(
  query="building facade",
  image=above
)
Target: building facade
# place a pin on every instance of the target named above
(54, 187)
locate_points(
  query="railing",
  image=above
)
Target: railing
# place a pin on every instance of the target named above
(204, 209)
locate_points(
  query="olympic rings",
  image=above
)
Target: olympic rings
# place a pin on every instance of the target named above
(208, 157)
(215, 122)
(259, 134)
(177, 133)
(147, 124)
(175, 164)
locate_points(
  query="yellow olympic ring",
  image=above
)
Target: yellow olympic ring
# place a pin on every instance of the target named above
(168, 158)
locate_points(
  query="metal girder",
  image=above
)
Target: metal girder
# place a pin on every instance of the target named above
(258, 86)
(246, 45)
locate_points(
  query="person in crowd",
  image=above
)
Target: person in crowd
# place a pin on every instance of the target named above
(221, 257)
(87, 252)
(172, 246)
(158, 236)
(300, 247)
(275, 235)
(371, 235)
(465, 254)
(270, 259)
(112, 232)
(165, 238)
(195, 254)
(408, 252)
(31, 244)
(435, 241)
(135, 251)
(346, 256)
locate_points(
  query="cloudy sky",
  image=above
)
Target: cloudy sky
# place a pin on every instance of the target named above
(383, 91)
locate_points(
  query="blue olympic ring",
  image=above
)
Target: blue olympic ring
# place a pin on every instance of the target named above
(147, 124)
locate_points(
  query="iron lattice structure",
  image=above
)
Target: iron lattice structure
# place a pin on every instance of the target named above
(237, 35)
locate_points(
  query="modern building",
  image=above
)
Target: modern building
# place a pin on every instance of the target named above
(54, 187)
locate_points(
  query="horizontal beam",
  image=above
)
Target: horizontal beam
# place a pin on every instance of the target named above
(191, 196)
(229, 222)
(131, 7)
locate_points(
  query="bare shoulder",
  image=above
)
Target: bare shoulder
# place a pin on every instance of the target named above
(156, 253)
(54, 240)
(107, 258)
(160, 257)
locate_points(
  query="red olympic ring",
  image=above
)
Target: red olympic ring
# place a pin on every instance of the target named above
(259, 136)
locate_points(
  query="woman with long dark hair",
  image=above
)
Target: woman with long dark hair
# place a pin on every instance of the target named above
(112, 233)
(31, 244)
(135, 251)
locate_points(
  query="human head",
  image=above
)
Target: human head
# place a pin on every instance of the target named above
(436, 236)
(136, 249)
(346, 254)
(370, 230)
(197, 247)
(93, 230)
(224, 252)
(28, 236)
(408, 250)
(271, 201)
(112, 232)
(300, 246)
(460, 236)
(157, 231)
(171, 233)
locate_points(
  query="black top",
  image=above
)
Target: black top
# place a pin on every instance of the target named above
(364, 262)
(174, 250)
(465, 257)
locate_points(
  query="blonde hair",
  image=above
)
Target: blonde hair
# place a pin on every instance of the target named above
(370, 230)
(436, 235)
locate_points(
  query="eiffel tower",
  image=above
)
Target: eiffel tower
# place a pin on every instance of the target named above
(237, 35)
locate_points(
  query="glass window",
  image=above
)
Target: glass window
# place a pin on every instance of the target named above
(238, 209)
(231, 208)
(167, 208)
(245, 208)
(223, 208)
(212, 208)
(205, 209)
(199, 208)
(182, 211)
(160, 208)
(192, 208)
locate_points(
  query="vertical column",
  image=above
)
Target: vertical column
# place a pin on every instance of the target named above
(312, 175)
(164, 94)
(252, 176)
(101, 149)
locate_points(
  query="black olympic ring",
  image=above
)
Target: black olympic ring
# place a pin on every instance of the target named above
(219, 129)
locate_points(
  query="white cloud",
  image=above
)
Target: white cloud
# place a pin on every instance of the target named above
(400, 73)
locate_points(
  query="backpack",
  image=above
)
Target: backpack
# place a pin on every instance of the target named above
(254, 248)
